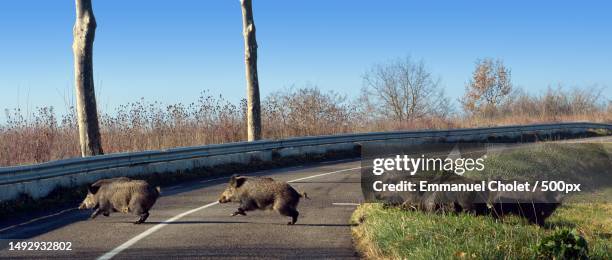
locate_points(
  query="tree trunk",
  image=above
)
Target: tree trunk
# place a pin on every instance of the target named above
(82, 46)
(250, 60)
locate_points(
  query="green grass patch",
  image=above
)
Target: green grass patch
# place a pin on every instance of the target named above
(393, 233)
(586, 163)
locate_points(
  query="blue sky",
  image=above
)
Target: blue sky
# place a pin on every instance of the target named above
(171, 50)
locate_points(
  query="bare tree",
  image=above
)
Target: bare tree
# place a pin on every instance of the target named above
(406, 90)
(489, 87)
(250, 60)
(82, 47)
(307, 111)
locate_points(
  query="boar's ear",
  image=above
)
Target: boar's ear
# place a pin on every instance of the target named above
(239, 181)
(232, 181)
(93, 188)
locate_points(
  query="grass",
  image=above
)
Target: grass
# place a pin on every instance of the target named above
(393, 233)
(552, 161)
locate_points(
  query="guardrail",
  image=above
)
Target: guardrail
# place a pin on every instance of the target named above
(20, 174)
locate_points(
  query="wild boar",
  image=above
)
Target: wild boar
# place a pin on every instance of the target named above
(121, 195)
(536, 207)
(447, 201)
(452, 201)
(262, 193)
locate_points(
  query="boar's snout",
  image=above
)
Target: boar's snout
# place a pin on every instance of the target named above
(227, 195)
(223, 199)
(231, 192)
(89, 202)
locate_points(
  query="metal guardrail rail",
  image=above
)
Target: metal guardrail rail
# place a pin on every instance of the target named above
(16, 174)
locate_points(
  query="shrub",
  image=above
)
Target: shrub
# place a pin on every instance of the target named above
(563, 244)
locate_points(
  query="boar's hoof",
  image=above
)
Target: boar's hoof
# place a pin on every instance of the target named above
(239, 212)
(142, 218)
(290, 223)
(106, 214)
(95, 214)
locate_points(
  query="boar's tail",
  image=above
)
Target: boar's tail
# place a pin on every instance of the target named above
(304, 195)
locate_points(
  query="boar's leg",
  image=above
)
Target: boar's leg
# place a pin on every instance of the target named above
(138, 210)
(239, 211)
(95, 213)
(142, 218)
(290, 212)
(294, 217)
(245, 205)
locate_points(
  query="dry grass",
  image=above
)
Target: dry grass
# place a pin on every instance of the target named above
(42, 136)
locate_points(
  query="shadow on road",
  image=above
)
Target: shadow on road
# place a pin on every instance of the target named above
(37, 227)
(326, 225)
(193, 222)
(262, 251)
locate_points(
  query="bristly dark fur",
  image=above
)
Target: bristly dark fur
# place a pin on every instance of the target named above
(121, 195)
(262, 193)
(536, 207)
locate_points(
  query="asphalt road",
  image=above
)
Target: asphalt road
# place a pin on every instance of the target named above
(187, 222)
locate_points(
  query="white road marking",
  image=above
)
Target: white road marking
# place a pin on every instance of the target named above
(323, 174)
(259, 172)
(345, 204)
(176, 187)
(180, 186)
(150, 231)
